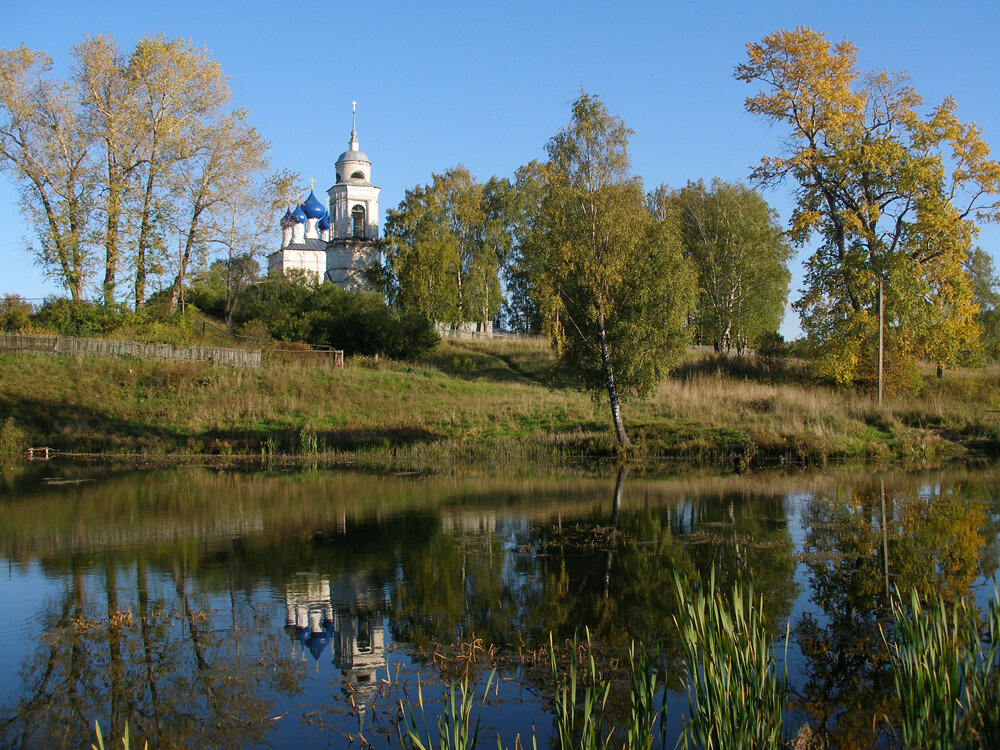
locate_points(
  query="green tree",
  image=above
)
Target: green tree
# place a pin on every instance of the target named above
(522, 312)
(444, 246)
(741, 255)
(894, 195)
(986, 293)
(614, 286)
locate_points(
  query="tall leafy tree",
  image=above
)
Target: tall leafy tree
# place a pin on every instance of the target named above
(741, 256)
(892, 193)
(47, 152)
(444, 246)
(107, 101)
(179, 90)
(613, 284)
(227, 150)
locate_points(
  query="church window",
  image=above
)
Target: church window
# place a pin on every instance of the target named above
(358, 176)
(358, 217)
(338, 176)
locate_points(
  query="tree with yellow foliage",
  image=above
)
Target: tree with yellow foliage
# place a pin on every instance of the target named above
(893, 193)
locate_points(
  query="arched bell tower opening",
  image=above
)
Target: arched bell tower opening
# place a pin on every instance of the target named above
(358, 222)
(352, 248)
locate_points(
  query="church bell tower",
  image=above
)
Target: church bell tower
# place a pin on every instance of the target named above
(352, 247)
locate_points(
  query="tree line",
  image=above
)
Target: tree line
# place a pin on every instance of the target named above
(134, 148)
(132, 152)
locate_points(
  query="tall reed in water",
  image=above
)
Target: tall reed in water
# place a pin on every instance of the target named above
(946, 677)
(580, 700)
(735, 696)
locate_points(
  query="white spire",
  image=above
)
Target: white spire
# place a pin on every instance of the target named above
(354, 130)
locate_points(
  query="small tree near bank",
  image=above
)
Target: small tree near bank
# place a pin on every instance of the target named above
(613, 283)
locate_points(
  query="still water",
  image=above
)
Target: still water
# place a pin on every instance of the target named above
(220, 608)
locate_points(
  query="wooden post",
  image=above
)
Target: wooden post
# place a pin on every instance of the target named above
(880, 340)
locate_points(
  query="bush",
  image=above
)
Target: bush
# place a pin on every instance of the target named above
(68, 317)
(360, 323)
(15, 314)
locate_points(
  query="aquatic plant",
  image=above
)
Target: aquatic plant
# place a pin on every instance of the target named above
(455, 730)
(126, 741)
(944, 675)
(580, 700)
(646, 716)
(735, 696)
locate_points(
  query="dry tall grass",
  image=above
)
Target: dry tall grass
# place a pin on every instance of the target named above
(478, 401)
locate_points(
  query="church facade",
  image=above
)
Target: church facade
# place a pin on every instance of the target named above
(337, 242)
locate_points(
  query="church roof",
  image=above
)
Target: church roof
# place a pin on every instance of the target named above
(353, 155)
(324, 223)
(286, 220)
(298, 216)
(312, 208)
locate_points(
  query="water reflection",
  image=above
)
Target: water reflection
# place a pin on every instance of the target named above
(201, 605)
(348, 613)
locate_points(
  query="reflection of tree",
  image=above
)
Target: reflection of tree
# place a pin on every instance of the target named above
(928, 541)
(169, 669)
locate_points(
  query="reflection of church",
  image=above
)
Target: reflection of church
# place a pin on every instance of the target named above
(347, 614)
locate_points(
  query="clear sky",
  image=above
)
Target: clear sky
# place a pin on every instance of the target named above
(487, 83)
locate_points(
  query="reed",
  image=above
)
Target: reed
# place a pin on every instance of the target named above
(945, 675)
(580, 700)
(455, 730)
(649, 721)
(126, 740)
(735, 696)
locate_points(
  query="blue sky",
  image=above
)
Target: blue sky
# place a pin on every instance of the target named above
(487, 83)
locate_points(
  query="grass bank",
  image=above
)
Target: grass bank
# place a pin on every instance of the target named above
(480, 402)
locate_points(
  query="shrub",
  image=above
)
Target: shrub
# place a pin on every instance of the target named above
(15, 313)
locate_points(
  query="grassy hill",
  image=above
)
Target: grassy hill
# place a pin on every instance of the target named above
(479, 402)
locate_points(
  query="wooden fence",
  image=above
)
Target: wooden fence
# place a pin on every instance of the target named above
(70, 345)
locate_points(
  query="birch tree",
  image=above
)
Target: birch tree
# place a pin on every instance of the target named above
(741, 256)
(613, 283)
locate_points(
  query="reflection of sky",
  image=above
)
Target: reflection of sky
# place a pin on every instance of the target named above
(30, 594)
(23, 593)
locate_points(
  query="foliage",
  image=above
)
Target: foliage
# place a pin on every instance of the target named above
(215, 289)
(735, 699)
(46, 151)
(741, 257)
(132, 151)
(986, 293)
(945, 681)
(13, 440)
(68, 317)
(126, 740)
(893, 194)
(612, 283)
(444, 246)
(15, 313)
(295, 308)
(580, 718)
(455, 728)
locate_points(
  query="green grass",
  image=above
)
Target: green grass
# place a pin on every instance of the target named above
(492, 401)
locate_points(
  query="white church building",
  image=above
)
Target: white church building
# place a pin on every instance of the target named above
(336, 242)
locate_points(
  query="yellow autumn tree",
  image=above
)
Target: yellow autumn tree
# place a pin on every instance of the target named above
(894, 194)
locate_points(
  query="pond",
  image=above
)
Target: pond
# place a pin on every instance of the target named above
(226, 608)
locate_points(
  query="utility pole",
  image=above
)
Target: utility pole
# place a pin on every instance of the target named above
(880, 340)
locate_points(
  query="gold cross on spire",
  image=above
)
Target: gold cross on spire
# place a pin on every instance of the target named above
(311, 182)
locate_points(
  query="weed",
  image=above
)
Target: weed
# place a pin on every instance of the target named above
(735, 698)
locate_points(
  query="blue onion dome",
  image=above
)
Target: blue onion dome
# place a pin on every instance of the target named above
(298, 216)
(317, 643)
(286, 220)
(312, 207)
(324, 223)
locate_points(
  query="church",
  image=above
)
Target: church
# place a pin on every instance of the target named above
(337, 242)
